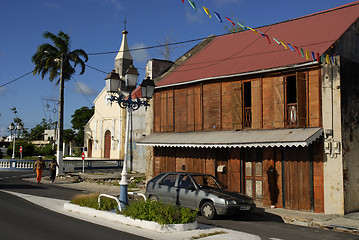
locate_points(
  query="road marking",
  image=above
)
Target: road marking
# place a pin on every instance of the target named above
(275, 239)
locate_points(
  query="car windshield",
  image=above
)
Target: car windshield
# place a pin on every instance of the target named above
(207, 181)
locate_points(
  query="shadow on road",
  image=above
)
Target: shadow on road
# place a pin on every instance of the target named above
(20, 186)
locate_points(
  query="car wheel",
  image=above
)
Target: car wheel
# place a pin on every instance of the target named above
(208, 210)
(154, 198)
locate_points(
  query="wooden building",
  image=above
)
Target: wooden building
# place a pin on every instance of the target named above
(266, 120)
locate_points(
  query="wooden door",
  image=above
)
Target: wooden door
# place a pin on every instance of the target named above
(89, 148)
(234, 170)
(107, 147)
(253, 173)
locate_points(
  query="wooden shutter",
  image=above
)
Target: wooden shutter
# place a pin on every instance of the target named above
(256, 86)
(157, 112)
(180, 99)
(169, 111)
(190, 109)
(198, 108)
(163, 103)
(237, 110)
(301, 99)
(212, 107)
(278, 102)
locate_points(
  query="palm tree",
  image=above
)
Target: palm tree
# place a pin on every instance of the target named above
(58, 61)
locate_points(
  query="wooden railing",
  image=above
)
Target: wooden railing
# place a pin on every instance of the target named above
(247, 117)
(292, 115)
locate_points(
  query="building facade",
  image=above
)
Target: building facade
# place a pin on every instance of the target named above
(268, 121)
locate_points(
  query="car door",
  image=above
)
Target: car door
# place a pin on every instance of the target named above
(166, 189)
(187, 194)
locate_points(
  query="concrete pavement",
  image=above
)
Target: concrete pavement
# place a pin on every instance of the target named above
(345, 223)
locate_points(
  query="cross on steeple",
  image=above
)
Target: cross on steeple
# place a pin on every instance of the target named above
(125, 24)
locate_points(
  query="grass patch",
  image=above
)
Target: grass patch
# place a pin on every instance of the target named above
(139, 209)
(90, 200)
(203, 235)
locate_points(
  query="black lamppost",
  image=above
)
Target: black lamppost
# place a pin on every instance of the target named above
(116, 87)
(13, 128)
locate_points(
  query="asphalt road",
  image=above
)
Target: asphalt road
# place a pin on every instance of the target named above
(20, 219)
(16, 213)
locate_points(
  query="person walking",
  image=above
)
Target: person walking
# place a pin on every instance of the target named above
(52, 167)
(39, 166)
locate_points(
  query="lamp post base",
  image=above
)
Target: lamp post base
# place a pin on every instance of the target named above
(123, 198)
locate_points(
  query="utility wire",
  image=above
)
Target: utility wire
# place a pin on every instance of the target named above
(16, 79)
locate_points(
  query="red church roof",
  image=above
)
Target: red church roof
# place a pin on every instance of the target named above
(246, 51)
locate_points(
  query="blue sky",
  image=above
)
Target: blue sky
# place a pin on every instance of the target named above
(96, 26)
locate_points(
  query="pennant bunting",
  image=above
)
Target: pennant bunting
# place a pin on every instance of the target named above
(206, 11)
(255, 31)
(267, 38)
(230, 21)
(276, 41)
(313, 56)
(263, 35)
(327, 58)
(242, 26)
(284, 45)
(218, 16)
(290, 46)
(192, 4)
(332, 59)
(302, 52)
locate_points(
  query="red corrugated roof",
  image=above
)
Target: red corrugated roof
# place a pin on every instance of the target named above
(247, 52)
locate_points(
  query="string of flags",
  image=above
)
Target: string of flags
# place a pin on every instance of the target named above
(302, 52)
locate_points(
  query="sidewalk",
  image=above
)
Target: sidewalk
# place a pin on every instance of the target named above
(347, 223)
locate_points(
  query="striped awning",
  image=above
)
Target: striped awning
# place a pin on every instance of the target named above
(297, 137)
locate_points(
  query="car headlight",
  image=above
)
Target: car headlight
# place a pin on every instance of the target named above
(231, 202)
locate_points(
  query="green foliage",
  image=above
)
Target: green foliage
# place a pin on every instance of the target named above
(79, 120)
(45, 151)
(159, 212)
(37, 133)
(90, 200)
(28, 149)
(143, 210)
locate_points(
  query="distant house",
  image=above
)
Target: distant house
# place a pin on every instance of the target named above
(265, 118)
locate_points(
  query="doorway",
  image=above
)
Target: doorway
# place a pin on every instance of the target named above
(253, 173)
(107, 147)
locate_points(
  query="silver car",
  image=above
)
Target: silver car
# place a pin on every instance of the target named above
(197, 191)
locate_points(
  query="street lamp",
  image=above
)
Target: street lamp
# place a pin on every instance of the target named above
(13, 128)
(113, 84)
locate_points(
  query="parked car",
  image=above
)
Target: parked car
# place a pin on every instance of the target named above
(197, 191)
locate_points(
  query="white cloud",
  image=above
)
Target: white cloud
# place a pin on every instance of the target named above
(141, 56)
(117, 4)
(83, 88)
(194, 16)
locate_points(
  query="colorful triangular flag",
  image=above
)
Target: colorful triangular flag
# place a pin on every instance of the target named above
(192, 4)
(230, 21)
(218, 16)
(206, 11)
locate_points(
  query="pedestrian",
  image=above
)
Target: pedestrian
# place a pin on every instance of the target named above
(52, 167)
(39, 166)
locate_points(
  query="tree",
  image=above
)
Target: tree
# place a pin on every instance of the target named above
(79, 120)
(37, 133)
(166, 48)
(58, 61)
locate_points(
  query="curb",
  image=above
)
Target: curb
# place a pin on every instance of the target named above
(149, 225)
